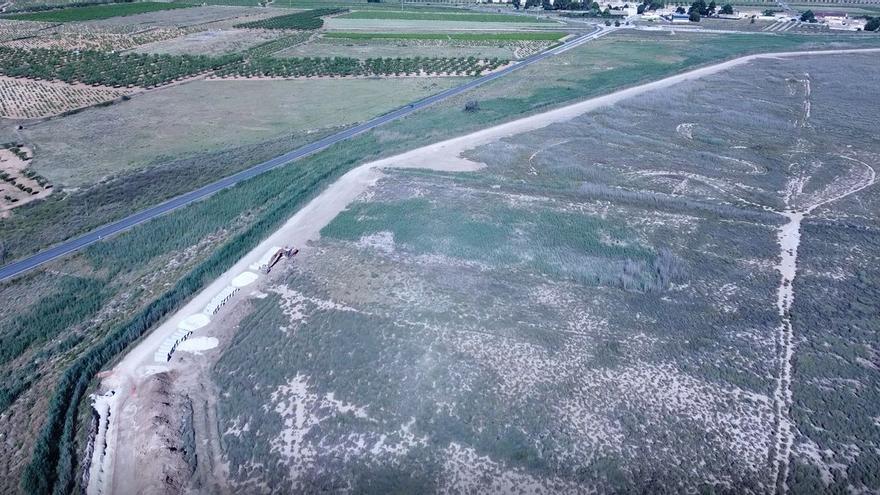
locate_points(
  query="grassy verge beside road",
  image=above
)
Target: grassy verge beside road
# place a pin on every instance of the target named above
(247, 213)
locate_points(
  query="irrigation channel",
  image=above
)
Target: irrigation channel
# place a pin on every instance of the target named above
(29, 263)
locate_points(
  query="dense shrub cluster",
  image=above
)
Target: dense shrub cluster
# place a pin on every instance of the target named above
(308, 20)
(345, 66)
(16, 382)
(108, 69)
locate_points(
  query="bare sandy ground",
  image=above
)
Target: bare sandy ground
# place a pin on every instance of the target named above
(306, 225)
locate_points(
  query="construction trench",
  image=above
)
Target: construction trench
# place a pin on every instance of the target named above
(181, 400)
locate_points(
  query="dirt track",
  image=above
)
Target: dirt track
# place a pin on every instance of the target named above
(136, 368)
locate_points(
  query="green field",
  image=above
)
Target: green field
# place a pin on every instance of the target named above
(347, 66)
(441, 16)
(97, 12)
(525, 36)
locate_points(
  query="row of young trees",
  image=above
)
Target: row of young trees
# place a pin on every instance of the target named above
(151, 70)
(107, 69)
(308, 20)
(346, 66)
(268, 48)
(75, 299)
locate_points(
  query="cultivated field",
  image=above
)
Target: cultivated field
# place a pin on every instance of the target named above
(26, 99)
(352, 67)
(10, 30)
(305, 21)
(213, 42)
(107, 69)
(193, 16)
(97, 12)
(476, 37)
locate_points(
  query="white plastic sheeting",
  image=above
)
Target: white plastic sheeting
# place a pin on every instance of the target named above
(194, 322)
(244, 279)
(166, 349)
(219, 300)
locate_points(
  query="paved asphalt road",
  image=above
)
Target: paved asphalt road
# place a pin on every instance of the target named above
(23, 265)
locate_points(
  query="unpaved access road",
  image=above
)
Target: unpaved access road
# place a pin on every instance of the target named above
(305, 226)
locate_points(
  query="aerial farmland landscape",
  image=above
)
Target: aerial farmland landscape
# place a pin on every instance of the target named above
(466, 247)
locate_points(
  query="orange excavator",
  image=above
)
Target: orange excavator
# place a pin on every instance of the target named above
(285, 252)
